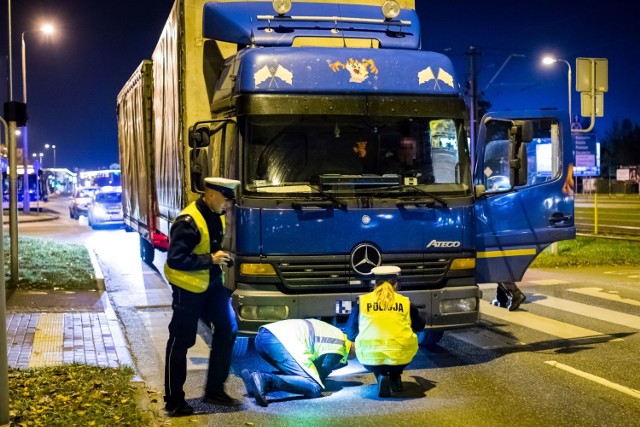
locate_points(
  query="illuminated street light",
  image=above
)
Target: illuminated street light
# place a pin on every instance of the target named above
(46, 29)
(548, 60)
(53, 147)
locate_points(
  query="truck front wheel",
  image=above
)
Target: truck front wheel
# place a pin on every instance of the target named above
(147, 252)
(429, 338)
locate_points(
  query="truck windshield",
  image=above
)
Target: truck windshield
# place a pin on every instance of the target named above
(299, 154)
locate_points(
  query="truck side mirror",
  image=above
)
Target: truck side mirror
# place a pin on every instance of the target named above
(199, 137)
(520, 133)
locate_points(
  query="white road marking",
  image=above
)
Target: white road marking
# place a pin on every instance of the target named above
(539, 323)
(594, 378)
(548, 282)
(600, 293)
(592, 311)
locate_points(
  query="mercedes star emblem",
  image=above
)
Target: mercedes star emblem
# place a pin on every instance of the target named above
(364, 258)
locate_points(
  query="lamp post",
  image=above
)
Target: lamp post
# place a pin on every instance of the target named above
(548, 60)
(46, 29)
(53, 147)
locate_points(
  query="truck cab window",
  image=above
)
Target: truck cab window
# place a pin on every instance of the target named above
(290, 154)
(543, 155)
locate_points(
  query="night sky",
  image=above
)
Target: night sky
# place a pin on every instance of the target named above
(73, 79)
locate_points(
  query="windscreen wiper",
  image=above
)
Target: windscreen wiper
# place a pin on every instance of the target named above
(340, 203)
(417, 190)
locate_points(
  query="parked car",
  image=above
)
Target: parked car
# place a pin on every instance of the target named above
(106, 207)
(79, 202)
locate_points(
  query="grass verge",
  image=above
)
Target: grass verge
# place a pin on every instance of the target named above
(73, 395)
(50, 265)
(590, 252)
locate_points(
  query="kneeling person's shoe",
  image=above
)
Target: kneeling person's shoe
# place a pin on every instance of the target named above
(246, 379)
(396, 383)
(384, 386)
(220, 398)
(179, 409)
(259, 388)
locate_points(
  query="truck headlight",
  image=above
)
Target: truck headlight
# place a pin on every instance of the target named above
(458, 305)
(264, 312)
(247, 269)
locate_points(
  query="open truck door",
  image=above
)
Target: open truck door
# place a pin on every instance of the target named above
(524, 188)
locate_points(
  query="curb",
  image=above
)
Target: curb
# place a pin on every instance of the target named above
(96, 269)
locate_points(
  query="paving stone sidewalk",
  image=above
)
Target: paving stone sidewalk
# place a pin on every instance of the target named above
(55, 328)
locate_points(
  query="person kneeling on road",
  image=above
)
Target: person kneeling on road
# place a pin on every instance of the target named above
(383, 326)
(305, 351)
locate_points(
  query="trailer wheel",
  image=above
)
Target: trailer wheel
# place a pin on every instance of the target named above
(147, 252)
(429, 338)
(240, 347)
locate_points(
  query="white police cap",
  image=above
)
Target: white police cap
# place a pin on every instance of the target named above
(386, 271)
(223, 185)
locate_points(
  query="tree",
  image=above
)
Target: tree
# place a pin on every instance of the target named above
(620, 146)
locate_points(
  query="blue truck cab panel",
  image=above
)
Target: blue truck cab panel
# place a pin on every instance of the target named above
(355, 154)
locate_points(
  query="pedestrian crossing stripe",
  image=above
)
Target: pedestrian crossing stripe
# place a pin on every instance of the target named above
(539, 323)
(549, 282)
(587, 310)
(601, 293)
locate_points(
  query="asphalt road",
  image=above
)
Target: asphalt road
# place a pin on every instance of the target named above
(569, 357)
(616, 214)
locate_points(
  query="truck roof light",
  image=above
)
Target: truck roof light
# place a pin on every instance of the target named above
(390, 9)
(281, 7)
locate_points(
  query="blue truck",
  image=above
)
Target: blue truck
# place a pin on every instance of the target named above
(351, 144)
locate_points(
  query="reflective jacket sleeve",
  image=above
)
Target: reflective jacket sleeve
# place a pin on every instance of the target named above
(351, 328)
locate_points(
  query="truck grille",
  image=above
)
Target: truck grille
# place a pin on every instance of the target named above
(321, 272)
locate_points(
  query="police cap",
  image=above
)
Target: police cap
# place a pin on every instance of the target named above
(223, 185)
(386, 271)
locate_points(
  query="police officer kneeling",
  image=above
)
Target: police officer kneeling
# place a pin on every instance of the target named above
(383, 326)
(304, 351)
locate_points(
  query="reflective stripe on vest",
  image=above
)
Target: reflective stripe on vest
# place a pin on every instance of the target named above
(198, 280)
(385, 336)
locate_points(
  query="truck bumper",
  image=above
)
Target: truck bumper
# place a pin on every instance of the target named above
(443, 309)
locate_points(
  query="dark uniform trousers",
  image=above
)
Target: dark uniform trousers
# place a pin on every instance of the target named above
(214, 307)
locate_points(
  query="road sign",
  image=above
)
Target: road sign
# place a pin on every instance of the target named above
(587, 154)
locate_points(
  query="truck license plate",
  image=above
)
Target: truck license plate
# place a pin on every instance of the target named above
(343, 307)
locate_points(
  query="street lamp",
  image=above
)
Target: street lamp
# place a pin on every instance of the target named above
(53, 147)
(548, 60)
(47, 29)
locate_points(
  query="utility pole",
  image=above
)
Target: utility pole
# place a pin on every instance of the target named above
(473, 102)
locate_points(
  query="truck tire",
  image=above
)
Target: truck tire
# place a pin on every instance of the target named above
(240, 347)
(147, 252)
(429, 338)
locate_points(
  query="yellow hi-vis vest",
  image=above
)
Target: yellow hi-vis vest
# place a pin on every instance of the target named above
(198, 280)
(385, 336)
(308, 339)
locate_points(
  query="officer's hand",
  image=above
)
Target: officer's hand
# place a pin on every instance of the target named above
(221, 258)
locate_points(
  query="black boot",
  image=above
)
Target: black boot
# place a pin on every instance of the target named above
(516, 297)
(501, 299)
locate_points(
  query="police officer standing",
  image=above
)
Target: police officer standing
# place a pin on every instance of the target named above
(193, 269)
(383, 325)
(304, 351)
